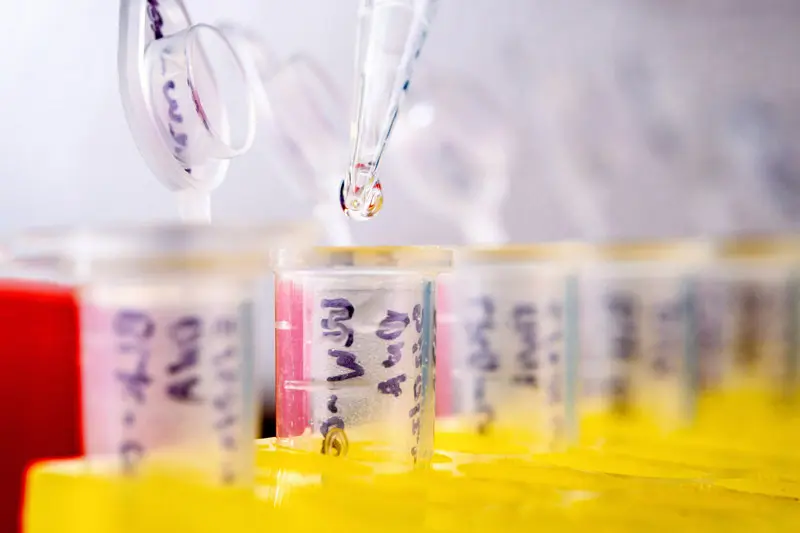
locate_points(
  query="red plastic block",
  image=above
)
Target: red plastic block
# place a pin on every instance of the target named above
(40, 377)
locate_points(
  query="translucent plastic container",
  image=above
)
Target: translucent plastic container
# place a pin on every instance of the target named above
(167, 341)
(355, 358)
(512, 347)
(636, 370)
(747, 306)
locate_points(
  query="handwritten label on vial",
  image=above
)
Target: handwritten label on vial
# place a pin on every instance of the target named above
(761, 331)
(669, 338)
(538, 362)
(227, 369)
(624, 330)
(669, 386)
(554, 348)
(391, 329)
(370, 359)
(523, 318)
(336, 328)
(187, 333)
(482, 359)
(417, 351)
(180, 380)
(511, 367)
(184, 377)
(133, 333)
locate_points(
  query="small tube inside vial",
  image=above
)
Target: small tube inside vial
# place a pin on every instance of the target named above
(167, 326)
(511, 354)
(355, 355)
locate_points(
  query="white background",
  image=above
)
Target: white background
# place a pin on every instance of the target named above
(67, 156)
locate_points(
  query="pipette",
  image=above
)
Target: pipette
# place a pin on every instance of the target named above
(303, 108)
(390, 37)
(186, 99)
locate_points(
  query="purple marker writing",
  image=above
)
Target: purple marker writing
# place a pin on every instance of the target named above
(180, 139)
(336, 325)
(336, 328)
(186, 333)
(226, 365)
(482, 359)
(418, 316)
(526, 326)
(623, 308)
(668, 338)
(155, 18)
(133, 331)
(390, 329)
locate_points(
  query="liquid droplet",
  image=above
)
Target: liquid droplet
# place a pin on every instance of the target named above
(360, 204)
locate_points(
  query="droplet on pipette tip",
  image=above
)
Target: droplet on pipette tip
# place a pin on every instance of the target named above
(361, 206)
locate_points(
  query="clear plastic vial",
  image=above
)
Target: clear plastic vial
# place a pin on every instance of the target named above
(512, 351)
(746, 310)
(355, 353)
(637, 363)
(168, 320)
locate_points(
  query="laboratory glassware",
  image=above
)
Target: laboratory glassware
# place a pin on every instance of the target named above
(389, 41)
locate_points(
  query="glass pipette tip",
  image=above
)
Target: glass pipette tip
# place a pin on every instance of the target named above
(391, 34)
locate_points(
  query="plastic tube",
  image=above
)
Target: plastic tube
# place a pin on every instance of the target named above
(354, 353)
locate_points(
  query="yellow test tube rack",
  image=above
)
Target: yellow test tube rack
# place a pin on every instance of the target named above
(307, 492)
